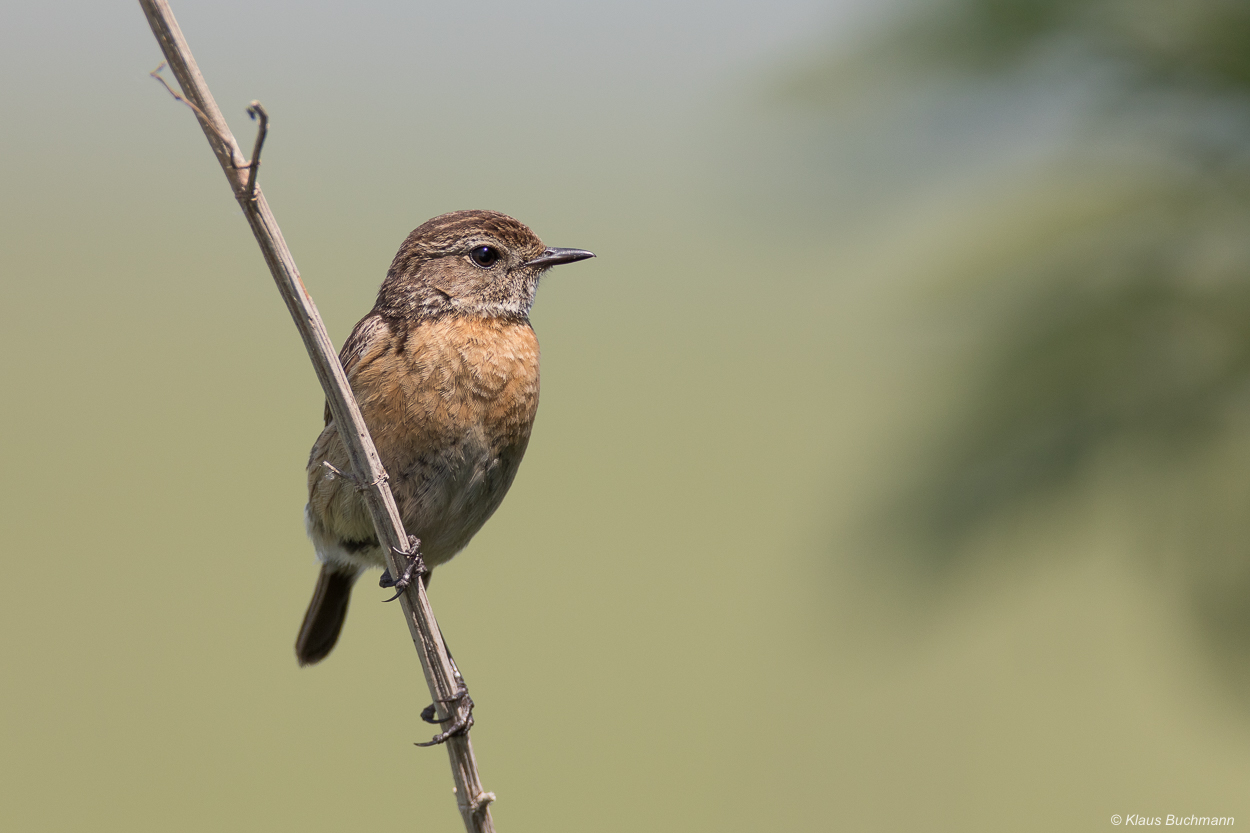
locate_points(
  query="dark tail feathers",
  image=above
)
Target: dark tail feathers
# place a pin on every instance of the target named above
(325, 615)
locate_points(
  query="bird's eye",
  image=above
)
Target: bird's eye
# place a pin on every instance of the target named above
(484, 256)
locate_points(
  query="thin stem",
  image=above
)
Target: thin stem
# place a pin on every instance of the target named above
(471, 798)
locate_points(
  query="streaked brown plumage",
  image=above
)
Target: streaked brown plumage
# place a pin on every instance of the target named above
(445, 369)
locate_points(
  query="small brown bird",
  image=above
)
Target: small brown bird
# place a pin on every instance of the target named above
(445, 369)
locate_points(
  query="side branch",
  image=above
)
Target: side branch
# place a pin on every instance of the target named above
(256, 110)
(439, 670)
(204, 119)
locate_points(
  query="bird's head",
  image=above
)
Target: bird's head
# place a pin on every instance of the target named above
(477, 263)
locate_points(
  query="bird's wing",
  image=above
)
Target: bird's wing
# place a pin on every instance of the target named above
(368, 335)
(332, 505)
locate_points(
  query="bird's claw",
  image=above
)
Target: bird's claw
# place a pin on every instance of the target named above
(414, 568)
(460, 716)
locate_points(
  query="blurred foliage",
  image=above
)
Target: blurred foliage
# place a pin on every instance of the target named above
(1125, 346)
(1203, 41)
(1134, 334)
(1199, 44)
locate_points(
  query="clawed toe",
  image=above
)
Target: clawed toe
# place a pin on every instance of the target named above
(461, 721)
(414, 568)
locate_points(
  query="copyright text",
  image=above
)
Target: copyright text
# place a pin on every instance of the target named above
(1135, 819)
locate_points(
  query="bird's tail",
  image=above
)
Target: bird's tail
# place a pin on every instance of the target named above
(325, 615)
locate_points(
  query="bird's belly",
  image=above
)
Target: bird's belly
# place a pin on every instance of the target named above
(444, 498)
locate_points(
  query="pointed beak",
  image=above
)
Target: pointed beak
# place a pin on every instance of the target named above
(554, 257)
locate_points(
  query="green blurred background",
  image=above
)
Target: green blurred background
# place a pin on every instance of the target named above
(893, 465)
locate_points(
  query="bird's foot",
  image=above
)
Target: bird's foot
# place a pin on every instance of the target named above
(413, 569)
(460, 715)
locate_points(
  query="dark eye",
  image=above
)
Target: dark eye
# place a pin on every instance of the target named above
(484, 256)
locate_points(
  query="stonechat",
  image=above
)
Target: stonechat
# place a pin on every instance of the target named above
(445, 369)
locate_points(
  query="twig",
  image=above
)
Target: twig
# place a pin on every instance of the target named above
(204, 120)
(256, 109)
(439, 670)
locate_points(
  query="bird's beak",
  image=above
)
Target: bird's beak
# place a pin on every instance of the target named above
(554, 257)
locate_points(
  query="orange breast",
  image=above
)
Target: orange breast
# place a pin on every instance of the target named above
(447, 378)
(450, 404)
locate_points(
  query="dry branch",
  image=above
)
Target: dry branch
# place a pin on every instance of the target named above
(473, 801)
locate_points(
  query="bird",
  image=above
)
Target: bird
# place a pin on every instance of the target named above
(445, 371)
